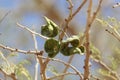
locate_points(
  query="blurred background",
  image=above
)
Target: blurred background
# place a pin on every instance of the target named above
(30, 13)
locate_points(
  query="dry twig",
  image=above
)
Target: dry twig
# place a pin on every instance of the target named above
(63, 74)
(113, 73)
(66, 64)
(12, 75)
(118, 38)
(33, 32)
(90, 20)
(70, 17)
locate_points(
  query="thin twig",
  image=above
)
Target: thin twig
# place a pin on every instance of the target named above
(18, 50)
(71, 16)
(96, 12)
(115, 33)
(66, 68)
(79, 8)
(33, 32)
(12, 75)
(4, 16)
(63, 74)
(118, 38)
(113, 73)
(72, 67)
(37, 62)
(86, 66)
(90, 20)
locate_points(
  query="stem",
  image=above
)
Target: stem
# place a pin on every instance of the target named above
(66, 68)
(87, 57)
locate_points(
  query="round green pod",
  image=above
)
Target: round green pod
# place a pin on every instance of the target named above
(52, 46)
(55, 31)
(74, 41)
(52, 55)
(65, 51)
(63, 46)
(70, 51)
(55, 28)
(47, 30)
(82, 49)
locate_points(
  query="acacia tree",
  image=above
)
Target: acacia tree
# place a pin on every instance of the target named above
(58, 40)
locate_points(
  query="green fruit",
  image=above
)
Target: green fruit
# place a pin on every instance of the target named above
(75, 41)
(82, 49)
(70, 51)
(47, 30)
(74, 50)
(51, 29)
(63, 46)
(55, 31)
(52, 55)
(52, 46)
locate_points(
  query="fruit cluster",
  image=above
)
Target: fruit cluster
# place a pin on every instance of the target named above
(52, 46)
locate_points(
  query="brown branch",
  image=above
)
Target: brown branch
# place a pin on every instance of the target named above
(72, 67)
(33, 32)
(70, 17)
(96, 12)
(18, 50)
(66, 68)
(79, 8)
(88, 26)
(63, 74)
(12, 75)
(86, 66)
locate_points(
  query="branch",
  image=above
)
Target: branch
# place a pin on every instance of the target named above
(33, 32)
(4, 16)
(86, 67)
(37, 62)
(70, 17)
(66, 68)
(18, 50)
(12, 75)
(118, 38)
(63, 74)
(113, 73)
(72, 67)
(88, 26)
